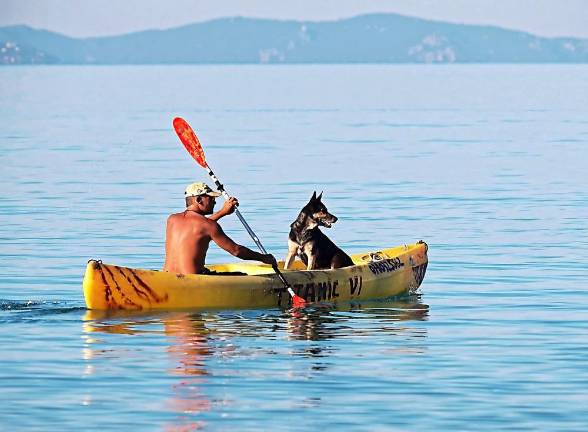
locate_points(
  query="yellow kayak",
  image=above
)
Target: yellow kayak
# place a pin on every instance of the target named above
(379, 274)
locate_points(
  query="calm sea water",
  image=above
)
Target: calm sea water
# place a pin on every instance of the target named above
(485, 163)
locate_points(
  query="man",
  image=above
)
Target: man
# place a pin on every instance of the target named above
(189, 233)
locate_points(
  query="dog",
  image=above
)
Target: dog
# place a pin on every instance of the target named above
(307, 241)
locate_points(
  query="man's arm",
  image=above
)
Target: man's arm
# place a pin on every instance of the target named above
(228, 207)
(225, 242)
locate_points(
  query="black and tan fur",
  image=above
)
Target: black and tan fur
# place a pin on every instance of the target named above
(307, 241)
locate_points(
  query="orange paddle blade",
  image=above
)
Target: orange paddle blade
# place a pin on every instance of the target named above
(298, 302)
(190, 140)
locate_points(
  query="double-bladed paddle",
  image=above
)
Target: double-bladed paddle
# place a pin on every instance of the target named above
(192, 144)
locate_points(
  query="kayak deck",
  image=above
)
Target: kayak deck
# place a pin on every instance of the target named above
(379, 274)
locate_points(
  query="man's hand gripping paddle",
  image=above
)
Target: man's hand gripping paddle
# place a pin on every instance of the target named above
(190, 141)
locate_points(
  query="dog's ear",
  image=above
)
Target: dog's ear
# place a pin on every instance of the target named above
(318, 198)
(313, 197)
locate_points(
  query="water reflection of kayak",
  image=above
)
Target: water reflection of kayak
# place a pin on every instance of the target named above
(380, 274)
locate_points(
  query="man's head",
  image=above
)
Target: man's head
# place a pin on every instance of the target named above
(202, 196)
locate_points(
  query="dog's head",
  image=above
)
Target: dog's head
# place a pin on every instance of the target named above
(316, 211)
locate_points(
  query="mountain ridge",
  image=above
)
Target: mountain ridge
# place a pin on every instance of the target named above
(372, 38)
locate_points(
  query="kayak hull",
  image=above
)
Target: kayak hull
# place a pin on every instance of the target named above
(380, 274)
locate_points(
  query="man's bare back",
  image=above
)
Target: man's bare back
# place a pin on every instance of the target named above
(188, 234)
(187, 240)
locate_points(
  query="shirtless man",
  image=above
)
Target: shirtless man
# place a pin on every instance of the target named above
(189, 233)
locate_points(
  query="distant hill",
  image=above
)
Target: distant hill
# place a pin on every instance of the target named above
(376, 38)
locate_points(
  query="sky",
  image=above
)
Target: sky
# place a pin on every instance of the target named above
(86, 18)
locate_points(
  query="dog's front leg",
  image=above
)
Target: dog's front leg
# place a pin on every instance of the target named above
(311, 254)
(292, 251)
(311, 261)
(289, 260)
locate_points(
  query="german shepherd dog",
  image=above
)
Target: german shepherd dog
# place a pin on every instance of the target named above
(307, 241)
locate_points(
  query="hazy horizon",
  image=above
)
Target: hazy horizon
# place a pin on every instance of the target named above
(95, 18)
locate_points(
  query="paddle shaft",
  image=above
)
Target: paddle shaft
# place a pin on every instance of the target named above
(226, 196)
(192, 145)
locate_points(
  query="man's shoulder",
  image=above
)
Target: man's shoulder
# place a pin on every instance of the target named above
(190, 217)
(175, 216)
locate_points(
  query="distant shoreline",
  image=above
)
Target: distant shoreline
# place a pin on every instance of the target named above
(272, 65)
(366, 39)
